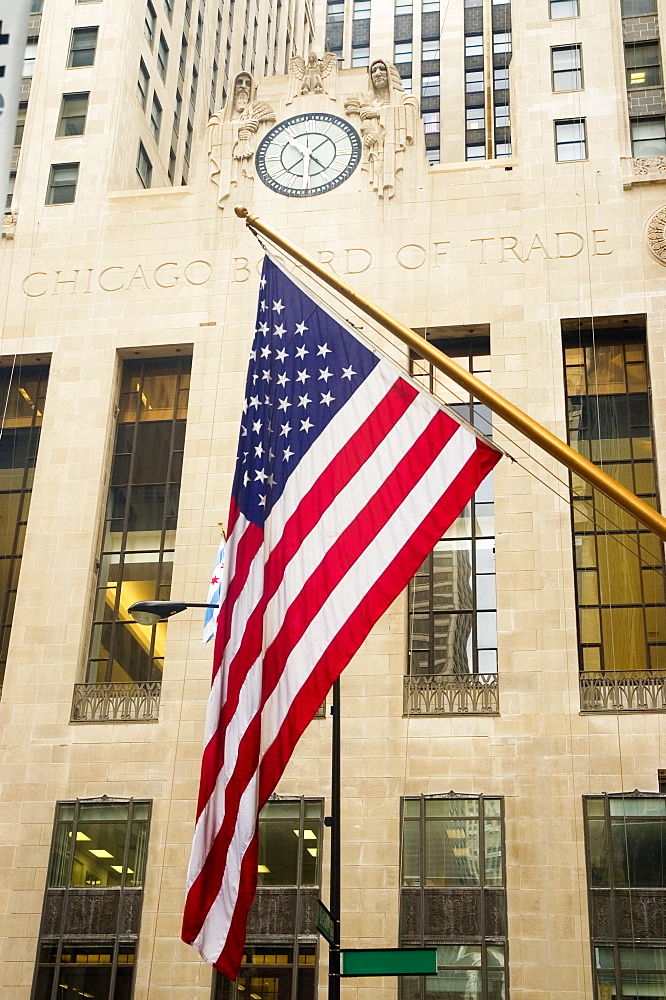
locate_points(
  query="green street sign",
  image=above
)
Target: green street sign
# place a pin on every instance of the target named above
(389, 962)
(325, 923)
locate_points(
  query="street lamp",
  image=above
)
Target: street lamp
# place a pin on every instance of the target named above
(152, 612)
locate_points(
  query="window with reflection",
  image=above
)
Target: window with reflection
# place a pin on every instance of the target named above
(619, 564)
(280, 958)
(94, 896)
(451, 599)
(626, 871)
(452, 876)
(22, 395)
(140, 526)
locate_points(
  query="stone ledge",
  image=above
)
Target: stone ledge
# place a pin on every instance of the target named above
(642, 170)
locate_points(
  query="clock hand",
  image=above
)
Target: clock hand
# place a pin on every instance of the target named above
(305, 151)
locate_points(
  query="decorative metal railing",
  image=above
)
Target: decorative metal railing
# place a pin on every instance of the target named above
(622, 691)
(110, 701)
(451, 694)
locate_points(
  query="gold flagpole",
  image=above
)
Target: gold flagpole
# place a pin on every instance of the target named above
(532, 430)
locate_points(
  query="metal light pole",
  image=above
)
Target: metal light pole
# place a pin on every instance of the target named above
(334, 896)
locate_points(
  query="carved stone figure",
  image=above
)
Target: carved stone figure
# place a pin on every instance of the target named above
(231, 136)
(389, 120)
(310, 77)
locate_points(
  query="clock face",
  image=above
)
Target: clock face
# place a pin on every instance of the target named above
(308, 154)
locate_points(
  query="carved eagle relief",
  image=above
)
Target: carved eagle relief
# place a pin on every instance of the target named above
(309, 77)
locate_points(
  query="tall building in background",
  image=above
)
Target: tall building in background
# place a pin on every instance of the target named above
(494, 175)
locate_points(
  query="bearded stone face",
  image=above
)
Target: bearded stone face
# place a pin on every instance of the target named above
(242, 92)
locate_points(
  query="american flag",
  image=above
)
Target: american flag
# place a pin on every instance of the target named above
(214, 593)
(347, 474)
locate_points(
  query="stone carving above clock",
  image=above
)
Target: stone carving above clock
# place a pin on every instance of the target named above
(231, 137)
(389, 118)
(317, 76)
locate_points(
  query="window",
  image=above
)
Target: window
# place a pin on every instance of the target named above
(474, 81)
(29, 60)
(473, 3)
(501, 42)
(430, 85)
(619, 565)
(82, 47)
(149, 22)
(407, 84)
(98, 857)
(62, 183)
(643, 65)
(177, 113)
(430, 48)
(430, 6)
(360, 55)
(162, 56)
(648, 137)
(503, 149)
(566, 68)
(10, 192)
(570, 140)
(171, 171)
(430, 122)
(183, 56)
(501, 78)
(475, 118)
(24, 390)
(194, 87)
(20, 123)
(453, 862)
(155, 119)
(475, 152)
(403, 53)
(335, 11)
(188, 143)
(361, 10)
(634, 8)
(142, 84)
(626, 868)
(502, 119)
(168, 10)
(199, 34)
(73, 112)
(140, 526)
(433, 155)
(473, 45)
(144, 167)
(451, 599)
(36, 6)
(563, 8)
(403, 7)
(280, 959)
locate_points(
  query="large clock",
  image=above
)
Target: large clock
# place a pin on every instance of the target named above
(308, 154)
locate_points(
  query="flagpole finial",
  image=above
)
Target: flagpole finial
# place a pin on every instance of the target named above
(241, 211)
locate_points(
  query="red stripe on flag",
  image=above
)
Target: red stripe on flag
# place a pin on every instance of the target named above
(349, 638)
(354, 540)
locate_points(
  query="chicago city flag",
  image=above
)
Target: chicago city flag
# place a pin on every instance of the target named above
(347, 475)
